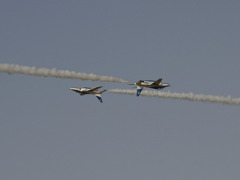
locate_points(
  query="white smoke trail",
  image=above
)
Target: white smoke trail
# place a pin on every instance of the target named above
(33, 71)
(185, 96)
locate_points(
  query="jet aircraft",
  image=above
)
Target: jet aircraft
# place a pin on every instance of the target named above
(86, 90)
(149, 84)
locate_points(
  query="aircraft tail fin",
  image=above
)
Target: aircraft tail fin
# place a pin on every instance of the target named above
(158, 81)
(99, 98)
(139, 90)
(98, 95)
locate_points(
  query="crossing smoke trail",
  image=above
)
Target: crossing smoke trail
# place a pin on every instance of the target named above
(33, 71)
(186, 96)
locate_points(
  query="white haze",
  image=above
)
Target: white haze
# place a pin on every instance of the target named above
(184, 96)
(33, 71)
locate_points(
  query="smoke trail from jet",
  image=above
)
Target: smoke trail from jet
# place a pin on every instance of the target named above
(45, 72)
(185, 96)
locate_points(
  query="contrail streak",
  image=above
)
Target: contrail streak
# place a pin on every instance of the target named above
(33, 71)
(185, 96)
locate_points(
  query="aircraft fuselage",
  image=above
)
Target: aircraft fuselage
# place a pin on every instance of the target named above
(86, 90)
(151, 84)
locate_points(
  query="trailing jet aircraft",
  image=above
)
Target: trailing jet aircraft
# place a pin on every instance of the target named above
(149, 84)
(86, 90)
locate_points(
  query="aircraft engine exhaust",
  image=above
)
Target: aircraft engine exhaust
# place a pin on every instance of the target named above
(185, 96)
(45, 72)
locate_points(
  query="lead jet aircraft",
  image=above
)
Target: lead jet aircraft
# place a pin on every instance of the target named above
(149, 84)
(86, 90)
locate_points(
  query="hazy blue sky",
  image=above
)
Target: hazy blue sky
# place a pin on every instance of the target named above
(49, 132)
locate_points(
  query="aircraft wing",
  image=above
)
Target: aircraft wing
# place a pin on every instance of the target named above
(158, 81)
(94, 89)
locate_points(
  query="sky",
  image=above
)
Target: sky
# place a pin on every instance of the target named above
(50, 132)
